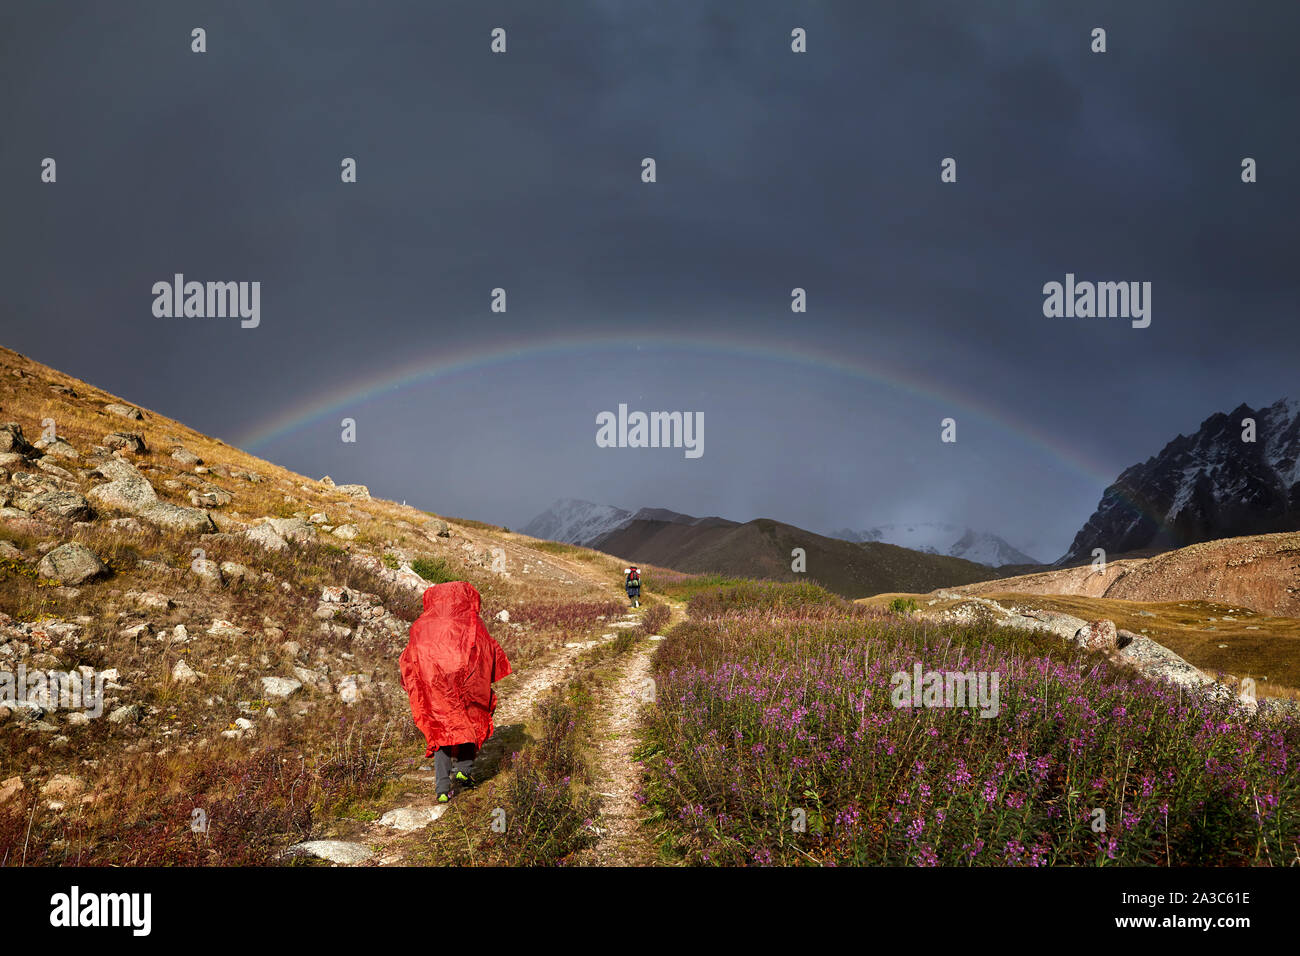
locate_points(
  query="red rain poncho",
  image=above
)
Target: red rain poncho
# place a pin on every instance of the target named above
(449, 666)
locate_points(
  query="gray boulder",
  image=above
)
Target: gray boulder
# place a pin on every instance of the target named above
(128, 490)
(208, 572)
(293, 528)
(1097, 636)
(123, 411)
(127, 714)
(280, 686)
(67, 505)
(406, 819)
(72, 564)
(336, 851)
(58, 447)
(125, 490)
(132, 442)
(13, 442)
(265, 535)
(179, 518)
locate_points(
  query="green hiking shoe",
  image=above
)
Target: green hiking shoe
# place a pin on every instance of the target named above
(444, 798)
(462, 781)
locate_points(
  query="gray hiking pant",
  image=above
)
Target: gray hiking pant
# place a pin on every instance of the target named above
(451, 758)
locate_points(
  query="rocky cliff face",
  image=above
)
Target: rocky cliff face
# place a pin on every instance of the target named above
(1211, 484)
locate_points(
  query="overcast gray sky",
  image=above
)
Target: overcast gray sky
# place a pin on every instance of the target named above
(775, 170)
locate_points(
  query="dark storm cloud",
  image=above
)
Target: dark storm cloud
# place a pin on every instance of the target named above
(775, 170)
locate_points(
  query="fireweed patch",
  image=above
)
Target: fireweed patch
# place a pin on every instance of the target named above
(775, 740)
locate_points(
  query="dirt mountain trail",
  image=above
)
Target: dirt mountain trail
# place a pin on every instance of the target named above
(617, 776)
(623, 842)
(518, 695)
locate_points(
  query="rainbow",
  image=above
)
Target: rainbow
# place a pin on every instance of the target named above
(439, 364)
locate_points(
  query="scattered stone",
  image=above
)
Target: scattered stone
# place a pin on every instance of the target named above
(182, 673)
(280, 686)
(131, 442)
(313, 679)
(354, 491)
(208, 572)
(243, 728)
(335, 851)
(185, 456)
(211, 497)
(347, 532)
(12, 440)
(10, 789)
(438, 528)
(125, 490)
(63, 786)
(1097, 636)
(67, 505)
(406, 819)
(235, 571)
(58, 447)
(51, 467)
(503, 616)
(350, 687)
(71, 564)
(265, 535)
(124, 411)
(127, 714)
(291, 528)
(179, 518)
(154, 600)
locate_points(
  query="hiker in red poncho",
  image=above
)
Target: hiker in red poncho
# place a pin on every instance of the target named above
(448, 669)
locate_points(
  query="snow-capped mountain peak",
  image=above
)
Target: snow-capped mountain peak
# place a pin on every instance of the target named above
(575, 521)
(937, 537)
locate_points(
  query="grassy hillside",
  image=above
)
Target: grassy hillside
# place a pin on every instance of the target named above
(762, 549)
(247, 657)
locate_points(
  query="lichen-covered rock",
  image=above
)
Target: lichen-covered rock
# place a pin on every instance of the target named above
(132, 442)
(124, 411)
(1097, 636)
(13, 442)
(71, 564)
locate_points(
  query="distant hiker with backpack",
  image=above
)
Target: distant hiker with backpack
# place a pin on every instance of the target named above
(448, 669)
(632, 582)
